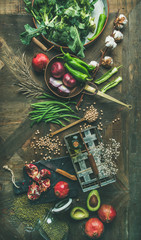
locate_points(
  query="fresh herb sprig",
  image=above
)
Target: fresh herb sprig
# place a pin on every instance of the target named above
(66, 23)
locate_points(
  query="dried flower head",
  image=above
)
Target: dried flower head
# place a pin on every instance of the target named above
(107, 62)
(94, 64)
(120, 21)
(110, 42)
(118, 36)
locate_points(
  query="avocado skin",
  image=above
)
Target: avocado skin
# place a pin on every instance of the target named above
(82, 210)
(93, 209)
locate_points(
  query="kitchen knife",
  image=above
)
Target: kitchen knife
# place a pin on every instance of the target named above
(60, 171)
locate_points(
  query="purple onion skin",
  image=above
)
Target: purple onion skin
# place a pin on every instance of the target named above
(57, 69)
(54, 83)
(69, 81)
(63, 91)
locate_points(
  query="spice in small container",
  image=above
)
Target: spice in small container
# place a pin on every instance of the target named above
(107, 62)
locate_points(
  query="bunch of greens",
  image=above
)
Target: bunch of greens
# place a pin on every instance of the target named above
(66, 23)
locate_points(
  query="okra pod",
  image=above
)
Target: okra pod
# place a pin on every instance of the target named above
(111, 84)
(107, 75)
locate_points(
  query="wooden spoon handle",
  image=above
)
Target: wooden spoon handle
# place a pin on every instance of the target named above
(66, 127)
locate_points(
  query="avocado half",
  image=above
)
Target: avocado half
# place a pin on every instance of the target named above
(79, 213)
(93, 201)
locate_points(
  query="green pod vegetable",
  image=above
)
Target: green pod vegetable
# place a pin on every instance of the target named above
(79, 76)
(68, 58)
(107, 75)
(101, 21)
(74, 64)
(111, 84)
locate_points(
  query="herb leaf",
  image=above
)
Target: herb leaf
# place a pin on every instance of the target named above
(75, 43)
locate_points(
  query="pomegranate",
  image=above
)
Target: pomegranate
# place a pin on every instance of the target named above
(61, 189)
(31, 170)
(94, 228)
(44, 185)
(33, 191)
(44, 173)
(39, 62)
(107, 213)
(37, 178)
(57, 69)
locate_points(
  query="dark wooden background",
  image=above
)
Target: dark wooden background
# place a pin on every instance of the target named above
(15, 131)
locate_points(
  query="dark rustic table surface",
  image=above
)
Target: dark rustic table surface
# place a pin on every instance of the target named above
(16, 133)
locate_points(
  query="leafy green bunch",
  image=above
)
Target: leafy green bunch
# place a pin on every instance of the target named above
(66, 23)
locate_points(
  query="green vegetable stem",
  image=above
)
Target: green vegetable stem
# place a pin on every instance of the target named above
(107, 75)
(79, 76)
(111, 84)
(101, 22)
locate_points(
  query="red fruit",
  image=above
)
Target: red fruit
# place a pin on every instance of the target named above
(107, 213)
(39, 62)
(31, 170)
(44, 173)
(61, 189)
(94, 228)
(37, 178)
(33, 191)
(44, 185)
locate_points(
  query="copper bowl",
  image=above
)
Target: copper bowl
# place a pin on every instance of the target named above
(52, 44)
(47, 74)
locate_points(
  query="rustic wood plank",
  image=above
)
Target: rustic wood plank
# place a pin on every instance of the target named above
(16, 134)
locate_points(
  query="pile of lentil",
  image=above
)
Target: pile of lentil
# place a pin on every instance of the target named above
(27, 213)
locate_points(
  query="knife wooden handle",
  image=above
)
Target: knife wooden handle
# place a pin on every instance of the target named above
(93, 164)
(66, 174)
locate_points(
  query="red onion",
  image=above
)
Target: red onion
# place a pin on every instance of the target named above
(69, 81)
(57, 69)
(63, 91)
(39, 62)
(54, 83)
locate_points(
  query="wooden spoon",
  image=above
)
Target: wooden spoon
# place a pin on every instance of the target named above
(90, 116)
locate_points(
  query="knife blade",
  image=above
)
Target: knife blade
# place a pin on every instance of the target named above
(60, 171)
